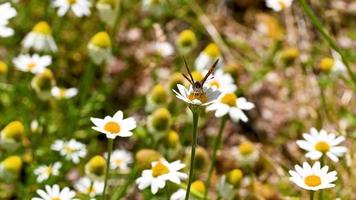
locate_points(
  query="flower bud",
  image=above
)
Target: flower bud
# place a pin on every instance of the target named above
(14, 131)
(96, 167)
(3, 67)
(201, 159)
(171, 139)
(160, 120)
(234, 177)
(199, 186)
(42, 28)
(43, 82)
(212, 50)
(100, 47)
(158, 94)
(145, 157)
(10, 168)
(289, 55)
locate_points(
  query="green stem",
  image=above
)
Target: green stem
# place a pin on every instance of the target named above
(322, 162)
(315, 21)
(311, 194)
(213, 157)
(129, 181)
(192, 156)
(110, 146)
(86, 82)
(323, 100)
(90, 188)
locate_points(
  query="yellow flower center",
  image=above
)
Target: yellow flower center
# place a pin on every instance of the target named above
(322, 146)
(31, 65)
(62, 92)
(326, 64)
(72, 1)
(3, 67)
(91, 190)
(68, 149)
(229, 99)
(197, 76)
(215, 83)
(312, 180)
(112, 127)
(187, 38)
(101, 39)
(212, 50)
(201, 97)
(198, 186)
(159, 169)
(43, 28)
(55, 198)
(246, 148)
(12, 163)
(117, 161)
(49, 170)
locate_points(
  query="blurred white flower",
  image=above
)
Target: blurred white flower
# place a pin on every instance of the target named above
(164, 49)
(228, 103)
(55, 193)
(34, 64)
(178, 195)
(40, 38)
(278, 5)
(208, 57)
(107, 11)
(319, 143)
(120, 159)
(63, 93)
(6, 13)
(72, 149)
(114, 126)
(338, 65)
(161, 172)
(153, 6)
(222, 81)
(100, 47)
(246, 154)
(86, 186)
(208, 96)
(43, 172)
(80, 8)
(313, 177)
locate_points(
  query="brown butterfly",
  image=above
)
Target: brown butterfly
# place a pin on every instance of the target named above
(198, 85)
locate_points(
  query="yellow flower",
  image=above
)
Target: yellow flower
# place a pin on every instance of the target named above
(234, 177)
(43, 81)
(42, 28)
(96, 166)
(198, 186)
(246, 148)
(145, 157)
(14, 131)
(160, 120)
(12, 164)
(212, 50)
(290, 54)
(171, 139)
(158, 94)
(3, 67)
(326, 64)
(186, 39)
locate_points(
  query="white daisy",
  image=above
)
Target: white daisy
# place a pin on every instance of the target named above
(278, 5)
(6, 13)
(246, 154)
(40, 38)
(100, 47)
(222, 81)
(63, 93)
(86, 186)
(229, 104)
(161, 172)
(43, 172)
(35, 63)
(120, 159)
(313, 178)
(178, 195)
(208, 57)
(208, 96)
(338, 65)
(80, 8)
(55, 193)
(164, 49)
(72, 149)
(319, 143)
(114, 126)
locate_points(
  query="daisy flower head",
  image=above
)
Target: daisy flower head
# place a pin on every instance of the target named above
(32, 63)
(10, 168)
(163, 49)
(278, 5)
(160, 172)
(320, 143)
(334, 65)
(107, 11)
(80, 8)
(313, 177)
(40, 38)
(43, 172)
(55, 193)
(12, 135)
(208, 56)
(207, 96)
(222, 81)
(230, 104)
(72, 149)
(6, 13)
(85, 186)
(120, 159)
(100, 47)
(114, 126)
(186, 41)
(246, 154)
(63, 93)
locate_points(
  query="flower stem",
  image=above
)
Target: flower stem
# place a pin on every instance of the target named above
(318, 25)
(192, 156)
(213, 157)
(322, 162)
(311, 195)
(110, 146)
